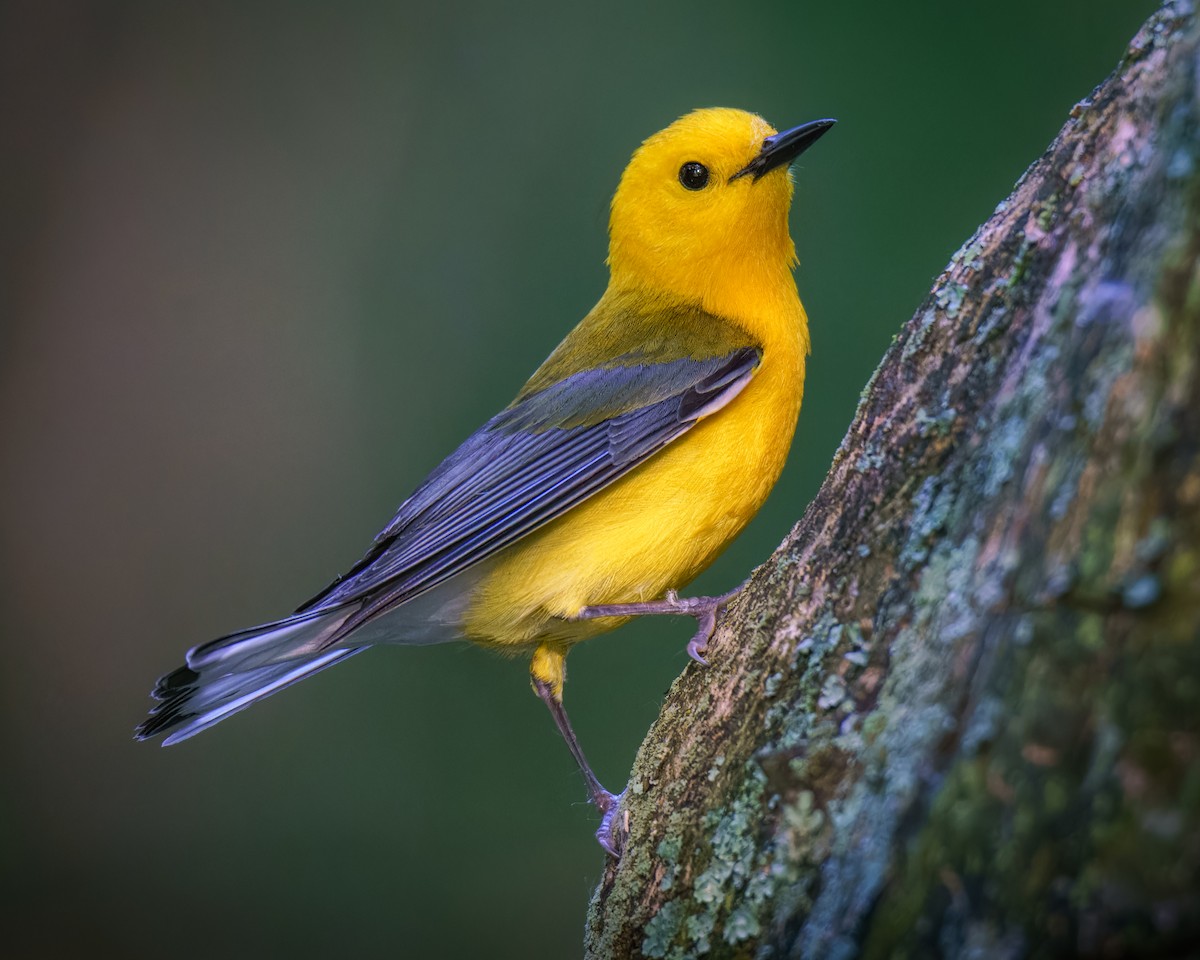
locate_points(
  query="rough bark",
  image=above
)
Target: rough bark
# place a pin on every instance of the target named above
(958, 711)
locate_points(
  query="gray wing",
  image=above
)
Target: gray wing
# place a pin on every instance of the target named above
(530, 464)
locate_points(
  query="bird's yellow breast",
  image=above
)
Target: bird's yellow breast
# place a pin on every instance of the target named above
(659, 526)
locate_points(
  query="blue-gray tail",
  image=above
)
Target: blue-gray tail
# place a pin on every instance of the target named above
(227, 675)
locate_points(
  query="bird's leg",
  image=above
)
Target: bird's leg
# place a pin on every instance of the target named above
(608, 835)
(704, 609)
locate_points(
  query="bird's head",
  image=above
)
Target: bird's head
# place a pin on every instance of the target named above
(706, 200)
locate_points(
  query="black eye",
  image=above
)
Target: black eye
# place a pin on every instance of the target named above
(693, 175)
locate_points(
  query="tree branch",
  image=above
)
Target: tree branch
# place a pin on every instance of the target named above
(956, 712)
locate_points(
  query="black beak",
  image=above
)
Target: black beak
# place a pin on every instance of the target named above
(783, 148)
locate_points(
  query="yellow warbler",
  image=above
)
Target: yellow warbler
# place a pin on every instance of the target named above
(634, 454)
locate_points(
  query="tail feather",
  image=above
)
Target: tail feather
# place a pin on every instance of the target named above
(229, 674)
(301, 635)
(192, 702)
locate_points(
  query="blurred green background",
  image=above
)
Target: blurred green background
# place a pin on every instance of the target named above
(263, 266)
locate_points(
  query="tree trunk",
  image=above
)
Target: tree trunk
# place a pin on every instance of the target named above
(958, 711)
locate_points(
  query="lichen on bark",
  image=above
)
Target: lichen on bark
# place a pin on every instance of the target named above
(955, 713)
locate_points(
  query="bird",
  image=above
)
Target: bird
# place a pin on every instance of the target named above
(627, 462)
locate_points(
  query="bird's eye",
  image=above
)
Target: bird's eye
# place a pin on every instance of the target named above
(693, 175)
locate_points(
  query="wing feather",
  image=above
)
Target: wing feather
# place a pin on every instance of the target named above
(532, 463)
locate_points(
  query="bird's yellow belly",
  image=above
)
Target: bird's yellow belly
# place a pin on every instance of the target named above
(653, 530)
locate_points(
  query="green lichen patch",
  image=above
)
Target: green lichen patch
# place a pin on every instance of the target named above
(662, 929)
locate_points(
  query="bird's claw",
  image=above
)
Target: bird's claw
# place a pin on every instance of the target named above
(614, 826)
(705, 610)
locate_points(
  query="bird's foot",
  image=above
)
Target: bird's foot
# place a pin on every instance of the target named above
(614, 823)
(704, 609)
(613, 828)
